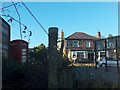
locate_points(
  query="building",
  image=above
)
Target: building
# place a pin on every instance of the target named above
(19, 50)
(60, 43)
(4, 40)
(80, 45)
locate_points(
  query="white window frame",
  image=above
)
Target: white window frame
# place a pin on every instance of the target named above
(75, 43)
(87, 44)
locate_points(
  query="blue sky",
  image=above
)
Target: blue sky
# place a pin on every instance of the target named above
(88, 17)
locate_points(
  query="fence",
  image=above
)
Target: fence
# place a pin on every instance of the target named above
(108, 48)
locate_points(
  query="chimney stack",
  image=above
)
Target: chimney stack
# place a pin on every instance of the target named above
(62, 41)
(61, 35)
(99, 34)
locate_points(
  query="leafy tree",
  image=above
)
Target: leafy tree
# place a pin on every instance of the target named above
(38, 54)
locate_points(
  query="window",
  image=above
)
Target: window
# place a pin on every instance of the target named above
(80, 55)
(69, 43)
(75, 43)
(100, 44)
(23, 53)
(111, 43)
(24, 50)
(23, 57)
(87, 44)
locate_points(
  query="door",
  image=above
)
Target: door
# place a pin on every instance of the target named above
(90, 57)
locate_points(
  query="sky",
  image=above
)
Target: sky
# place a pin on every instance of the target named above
(88, 17)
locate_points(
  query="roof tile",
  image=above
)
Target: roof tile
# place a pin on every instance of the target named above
(81, 35)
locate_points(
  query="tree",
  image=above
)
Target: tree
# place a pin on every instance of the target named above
(38, 54)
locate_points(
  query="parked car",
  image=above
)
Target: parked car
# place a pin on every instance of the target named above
(110, 62)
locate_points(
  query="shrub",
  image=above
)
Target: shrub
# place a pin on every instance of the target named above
(21, 75)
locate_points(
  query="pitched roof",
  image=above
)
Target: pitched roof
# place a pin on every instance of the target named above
(81, 35)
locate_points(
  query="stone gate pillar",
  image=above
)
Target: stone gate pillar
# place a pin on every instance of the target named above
(52, 62)
(53, 36)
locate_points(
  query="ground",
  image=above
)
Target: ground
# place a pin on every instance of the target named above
(89, 72)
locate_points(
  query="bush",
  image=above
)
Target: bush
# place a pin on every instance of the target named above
(21, 75)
